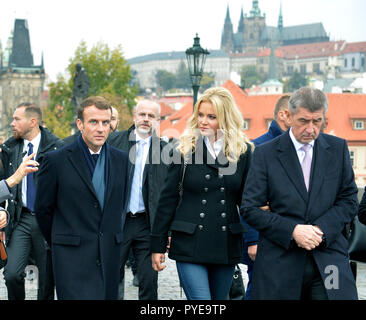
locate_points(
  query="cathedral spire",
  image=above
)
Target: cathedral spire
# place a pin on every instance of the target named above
(272, 74)
(241, 21)
(280, 19)
(227, 37)
(227, 19)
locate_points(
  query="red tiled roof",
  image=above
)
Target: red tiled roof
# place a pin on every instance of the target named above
(259, 108)
(355, 47)
(166, 110)
(310, 50)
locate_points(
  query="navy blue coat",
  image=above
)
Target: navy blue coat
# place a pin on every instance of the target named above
(250, 237)
(276, 177)
(85, 239)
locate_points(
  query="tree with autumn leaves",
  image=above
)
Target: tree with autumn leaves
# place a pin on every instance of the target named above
(110, 77)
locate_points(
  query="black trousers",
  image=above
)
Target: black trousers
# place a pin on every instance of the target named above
(313, 286)
(137, 237)
(27, 240)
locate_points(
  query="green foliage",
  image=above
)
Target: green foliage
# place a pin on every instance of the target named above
(207, 81)
(297, 81)
(165, 79)
(250, 76)
(109, 75)
(181, 79)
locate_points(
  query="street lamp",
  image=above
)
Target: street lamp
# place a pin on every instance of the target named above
(196, 58)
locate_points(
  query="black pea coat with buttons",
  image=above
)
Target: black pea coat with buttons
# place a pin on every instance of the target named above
(85, 238)
(11, 158)
(204, 223)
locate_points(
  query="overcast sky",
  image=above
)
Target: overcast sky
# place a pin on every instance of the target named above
(148, 26)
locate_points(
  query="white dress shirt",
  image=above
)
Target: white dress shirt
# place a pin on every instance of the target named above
(145, 153)
(217, 146)
(298, 146)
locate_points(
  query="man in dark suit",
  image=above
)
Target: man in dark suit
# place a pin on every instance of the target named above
(146, 176)
(80, 201)
(24, 239)
(306, 178)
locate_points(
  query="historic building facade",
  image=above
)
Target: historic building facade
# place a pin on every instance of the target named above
(20, 79)
(304, 48)
(253, 32)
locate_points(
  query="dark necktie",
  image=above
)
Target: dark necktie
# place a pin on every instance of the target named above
(95, 157)
(31, 189)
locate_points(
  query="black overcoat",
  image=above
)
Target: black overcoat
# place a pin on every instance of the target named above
(205, 225)
(85, 239)
(154, 172)
(276, 177)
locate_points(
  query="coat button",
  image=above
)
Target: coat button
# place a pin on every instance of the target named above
(202, 215)
(98, 263)
(204, 201)
(200, 227)
(223, 215)
(222, 189)
(101, 234)
(222, 201)
(223, 228)
(206, 189)
(208, 177)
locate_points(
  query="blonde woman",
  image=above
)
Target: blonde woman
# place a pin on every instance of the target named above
(206, 234)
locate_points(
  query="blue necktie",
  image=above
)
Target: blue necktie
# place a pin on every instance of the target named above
(136, 181)
(31, 189)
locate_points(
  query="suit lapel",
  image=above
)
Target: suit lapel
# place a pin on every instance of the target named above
(322, 160)
(111, 177)
(290, 162)
(203, 153)
(77, 160)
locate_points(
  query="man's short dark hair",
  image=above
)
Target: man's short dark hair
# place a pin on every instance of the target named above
(97, 101)
(31, 110)
(282, 103)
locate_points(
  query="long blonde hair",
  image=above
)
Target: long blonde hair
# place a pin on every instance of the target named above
(230, 122)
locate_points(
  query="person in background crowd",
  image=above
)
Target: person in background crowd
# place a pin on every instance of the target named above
(27, 166)
(362, 208)
(24, 239)
(279, 125)
(115, 120)
(147, 174)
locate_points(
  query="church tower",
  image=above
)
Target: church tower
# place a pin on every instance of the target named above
(280, 22)
(227, 37)
(254, 25)
(20, 79)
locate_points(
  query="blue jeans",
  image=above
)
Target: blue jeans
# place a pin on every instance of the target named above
(205, 281)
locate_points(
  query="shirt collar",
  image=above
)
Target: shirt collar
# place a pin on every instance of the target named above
(35, 141)
(217, 145)
(298, 145)
(139, 138)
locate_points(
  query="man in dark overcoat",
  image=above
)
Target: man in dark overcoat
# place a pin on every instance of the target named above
(80, 201)
(308, 181)
(23, 237)
(146, 176)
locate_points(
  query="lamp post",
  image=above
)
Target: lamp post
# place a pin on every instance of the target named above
(196, 58)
